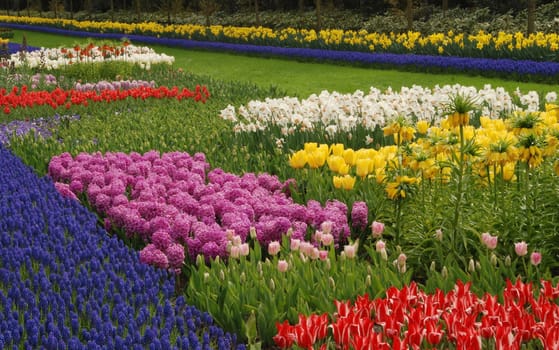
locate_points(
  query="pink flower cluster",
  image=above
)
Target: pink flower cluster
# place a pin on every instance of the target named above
(174, 200)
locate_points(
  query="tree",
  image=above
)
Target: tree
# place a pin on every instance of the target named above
(257, 12)
(318, 14)
(531, 16)
(409, 14)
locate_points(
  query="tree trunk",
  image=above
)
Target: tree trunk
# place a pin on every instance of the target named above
(409, 14)
(301, 4)
(318, 15)
(531, 16)
(71, 9)
(445, 7)
(112, 10)
(257, 12)
(137, 6)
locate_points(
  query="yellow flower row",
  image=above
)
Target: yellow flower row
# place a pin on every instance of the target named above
(506, 44)
(498, 146)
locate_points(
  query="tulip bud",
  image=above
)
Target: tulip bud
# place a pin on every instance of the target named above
(471, 266)
(272, 284)
(493, 259)
(200, 260)
(206, 276)
(252, 232)
(384, 255)
(243, 277)
(289, 232)
(368, 280)
(508, 261)
(222, 275)
(444, 272)
(433, 266)
(332, 283)
(439, 234)
(328, 264)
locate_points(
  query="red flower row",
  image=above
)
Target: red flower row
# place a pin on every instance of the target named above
(409, 318)
(22, 98)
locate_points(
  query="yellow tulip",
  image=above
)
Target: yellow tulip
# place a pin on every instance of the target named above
(349, 156)
(346, 182)
(298, 160)
(362, 167)
(335, 162)
(316, 159)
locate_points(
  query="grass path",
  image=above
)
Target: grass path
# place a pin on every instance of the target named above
(296, 77)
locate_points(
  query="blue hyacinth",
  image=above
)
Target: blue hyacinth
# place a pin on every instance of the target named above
(66, 283)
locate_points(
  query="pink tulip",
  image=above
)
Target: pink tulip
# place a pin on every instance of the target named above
(350, 250)
(295, 243)
(274, 248)
(244, 249)
(235, 251)
(327, 239)
(489, 241)
(536, 258)
(380, 245)
(323, 254)
(377, 229)
(521, 248)
(283, 265)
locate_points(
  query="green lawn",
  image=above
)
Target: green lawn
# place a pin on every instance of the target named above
(296, 77)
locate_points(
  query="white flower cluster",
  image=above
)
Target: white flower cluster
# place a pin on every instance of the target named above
(335, 112)
(54, 58)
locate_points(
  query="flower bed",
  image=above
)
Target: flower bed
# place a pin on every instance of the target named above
(409, 318)
(536, 69)
(67, 284)
(174, 200)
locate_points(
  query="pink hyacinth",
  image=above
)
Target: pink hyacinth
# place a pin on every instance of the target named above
(359, 215)
(161, 239)
(175, 255)
(152, 256)
(64, 190)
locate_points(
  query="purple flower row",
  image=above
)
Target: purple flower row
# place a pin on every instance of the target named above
(40, 127)
(114, 85)
(174, 200)
(502, 67)
(66, 284)
(15, 47)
